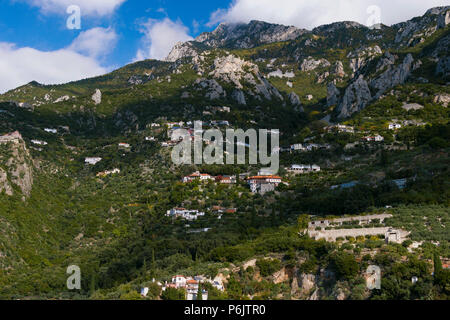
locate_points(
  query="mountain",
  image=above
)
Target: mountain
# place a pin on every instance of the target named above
(369, 106)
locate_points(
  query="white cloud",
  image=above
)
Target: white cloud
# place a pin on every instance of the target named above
(312, 13)
(88, 7)
(78, 61)
(159, 38)
(95, 43)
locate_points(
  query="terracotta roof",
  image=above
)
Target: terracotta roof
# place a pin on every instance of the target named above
(263, 177)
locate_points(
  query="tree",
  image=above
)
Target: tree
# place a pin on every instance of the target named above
(302, 222)
(173, 294)
(345, 265)
(199, 292)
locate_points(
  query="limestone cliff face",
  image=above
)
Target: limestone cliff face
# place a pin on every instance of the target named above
(249, 35)
(393, 76)
(356, 97)
(15, 165)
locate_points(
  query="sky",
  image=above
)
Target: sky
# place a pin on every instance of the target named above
(57, 41)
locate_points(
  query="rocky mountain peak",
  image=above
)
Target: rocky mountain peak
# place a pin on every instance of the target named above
(241, 35)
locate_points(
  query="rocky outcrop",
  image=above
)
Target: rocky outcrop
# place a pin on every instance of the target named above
(97, 97)
(213, 89)
(362, 56)
(338, 70)
(356, 97)
(248, 35)
(333, 95)
(443, 67)
(393, 76)
(442, 99)
(239, 97)
(416, 30)
(310, 64)
(15, 165)
(182, 50)
(4, 183)
(307, 282)
(443, 19)
(294, 99)
(236, 71)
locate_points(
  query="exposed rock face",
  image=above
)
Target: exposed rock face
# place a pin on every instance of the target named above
(443, 66)
(355, 98)
(280, 276)
(310, 64)
(307, 282)
(4, 183)
(414, 31)
(214, 89)
(181, 50)
(234, 70)
(338, 70)
(97, 97)
(333, 27)
(135, 80)
(443, 99)
(387, 60)
(333, 95)
(294, 99)
(443, 19)
(393, 76)
(360, 57)
(61, 99)
(15, 165)
(248, 35)
(412, 106)
(239, 97)
(231, 69)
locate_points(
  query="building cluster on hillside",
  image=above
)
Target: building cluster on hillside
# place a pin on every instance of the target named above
(49, 130)
(302, 168)
(219, 209)
(307, 147)
(330, 231)
(11, 137)
(198, 176)
(124, 145)
(398, 124)
(190, 285)
(108, 172)
(340, 128)
(263, 183)
(183, 213)
(92, 160)
(39, 142)
(374, 138)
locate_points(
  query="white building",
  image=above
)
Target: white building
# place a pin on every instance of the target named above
(298, 147)
(394, 126)
(51, 130)
(179, 281)
(39, 142)
(184, 213)
(124, 145)
(302, 168)
(93, 160)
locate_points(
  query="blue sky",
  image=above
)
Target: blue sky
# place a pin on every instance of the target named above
(35, 43)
